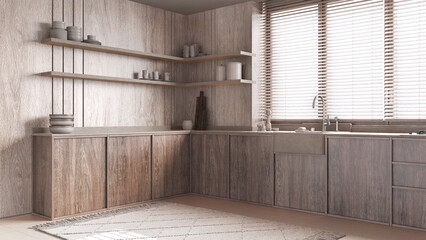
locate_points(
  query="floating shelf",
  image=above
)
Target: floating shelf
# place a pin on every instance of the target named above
(146, 82)
(140, 54)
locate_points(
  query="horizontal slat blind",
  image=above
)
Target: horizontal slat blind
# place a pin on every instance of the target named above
(355, 52)
(409, 59)
(293, 60)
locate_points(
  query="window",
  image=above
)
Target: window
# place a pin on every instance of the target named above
(367, 58)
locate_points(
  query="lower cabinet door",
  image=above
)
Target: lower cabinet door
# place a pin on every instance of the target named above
(210, 164)
(170, 165)
(359, 178)
(300, 181)
(252, 169)
(409, 207)
(129, 170)
(79, 182)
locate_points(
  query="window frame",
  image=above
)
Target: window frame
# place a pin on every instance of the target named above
(388, 38)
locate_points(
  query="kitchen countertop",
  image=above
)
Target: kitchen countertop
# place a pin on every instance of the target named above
(135, 131)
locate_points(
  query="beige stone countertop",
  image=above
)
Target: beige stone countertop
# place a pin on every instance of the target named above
(112, 133)
(127, 132)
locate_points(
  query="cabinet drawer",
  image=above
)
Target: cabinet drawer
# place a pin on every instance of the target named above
(409, 150)
(409, 175)
(409, 208)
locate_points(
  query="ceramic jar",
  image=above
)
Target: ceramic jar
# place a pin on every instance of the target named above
(187, 125)
(234, 70)
(220, 73)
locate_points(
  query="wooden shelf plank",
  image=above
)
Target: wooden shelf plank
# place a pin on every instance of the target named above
(112, 50)
(107, 79)
(216, 83)
(140, 54)
(145, 82)
(217, 57)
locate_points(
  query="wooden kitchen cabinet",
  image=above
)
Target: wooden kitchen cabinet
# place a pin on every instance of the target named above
(129, 170)
(69, 175)
(301, 181)
(170, 165)
(210, 164)
(409, 207)
(252, 169)
(359, 181)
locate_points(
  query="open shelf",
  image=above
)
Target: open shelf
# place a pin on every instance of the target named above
(140, 54)
(146, 82)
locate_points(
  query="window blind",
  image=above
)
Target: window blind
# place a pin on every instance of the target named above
(367, 58)
(409, 74)
(292, 60)
(355, 52)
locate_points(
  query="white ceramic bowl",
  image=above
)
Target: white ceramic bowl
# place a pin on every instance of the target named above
(54, 123)
(58, 24)
(61, 130)
(187, 125)
(61, 116)
(58, 33)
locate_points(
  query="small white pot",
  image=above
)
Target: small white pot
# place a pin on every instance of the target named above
(187, 125)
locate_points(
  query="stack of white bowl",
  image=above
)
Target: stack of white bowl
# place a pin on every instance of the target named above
(58, 30)
(74, 33)
(61, 123)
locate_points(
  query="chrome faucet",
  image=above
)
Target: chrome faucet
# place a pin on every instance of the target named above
(325, 120)
(336, 119)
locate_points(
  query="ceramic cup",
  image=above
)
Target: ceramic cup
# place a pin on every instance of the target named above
(185, 51)
(187, 125)
(194, 50)
(156, 75)
(167, 76)
(145, 74)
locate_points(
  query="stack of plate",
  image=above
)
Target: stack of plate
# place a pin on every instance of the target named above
(61, 123)
(74, 33)
(58, 30)
(92, 40)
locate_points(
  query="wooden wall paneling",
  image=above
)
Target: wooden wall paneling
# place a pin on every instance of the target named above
(79, 175)
(232, 105)
(129, 170)
(359, 178)
(26, 98)
(170, 165)
(199, 30)
(169, 93)
(68, 62)
(42, 176)
(210, 164)
(78, 67)
(300, 181)
(252, 169)
(58, 62)
(128, 25)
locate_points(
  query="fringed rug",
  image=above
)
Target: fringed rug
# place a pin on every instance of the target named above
(163, 220)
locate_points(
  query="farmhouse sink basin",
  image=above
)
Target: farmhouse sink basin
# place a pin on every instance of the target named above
(304, 143)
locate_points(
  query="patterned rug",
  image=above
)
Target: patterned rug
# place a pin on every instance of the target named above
(171, 221)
